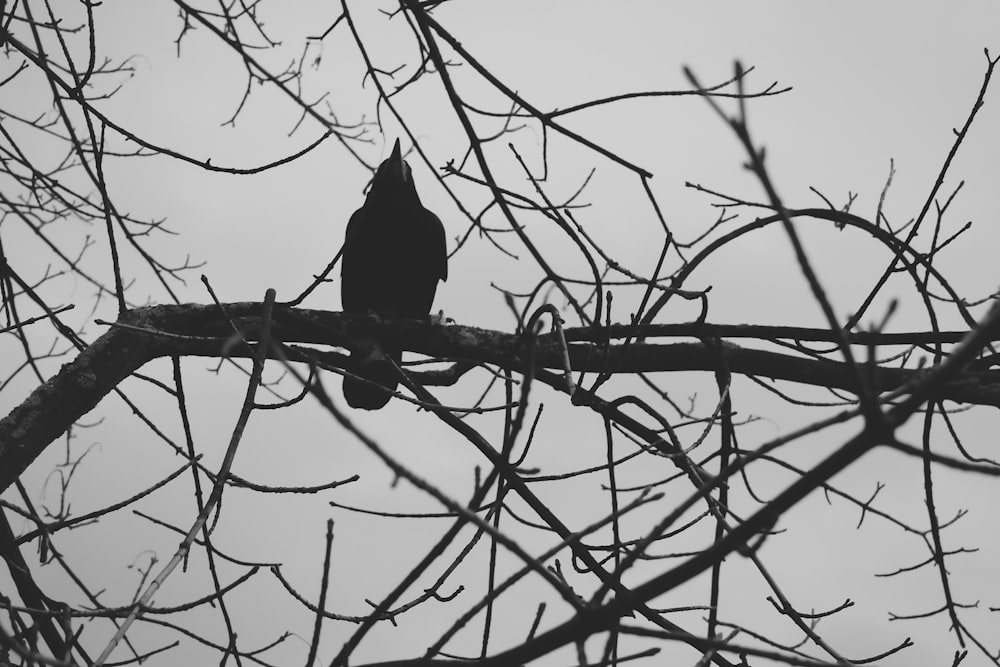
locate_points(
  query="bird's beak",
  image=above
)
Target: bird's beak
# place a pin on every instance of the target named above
(397, 166)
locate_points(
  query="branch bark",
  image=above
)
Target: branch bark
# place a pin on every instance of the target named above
(145, 334)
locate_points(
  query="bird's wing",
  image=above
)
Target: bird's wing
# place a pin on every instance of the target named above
(440, 248)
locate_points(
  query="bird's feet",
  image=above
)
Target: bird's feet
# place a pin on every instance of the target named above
(438, 318)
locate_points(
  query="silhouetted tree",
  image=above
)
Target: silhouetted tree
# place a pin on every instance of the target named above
(615, 464)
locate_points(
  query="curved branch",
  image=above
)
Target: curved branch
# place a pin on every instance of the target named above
(144, 334)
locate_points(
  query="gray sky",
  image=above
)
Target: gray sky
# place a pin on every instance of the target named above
(871, 83)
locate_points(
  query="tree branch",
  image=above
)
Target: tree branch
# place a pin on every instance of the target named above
(145, 334)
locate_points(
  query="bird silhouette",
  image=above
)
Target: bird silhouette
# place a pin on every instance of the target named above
(394, 255)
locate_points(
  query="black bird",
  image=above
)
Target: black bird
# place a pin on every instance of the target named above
(394, 255)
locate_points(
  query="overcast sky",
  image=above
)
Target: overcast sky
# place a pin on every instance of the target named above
(871, 84)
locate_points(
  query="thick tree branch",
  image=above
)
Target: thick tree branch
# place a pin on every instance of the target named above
(144, 334)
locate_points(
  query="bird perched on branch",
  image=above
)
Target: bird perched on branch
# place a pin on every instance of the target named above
(394, 255)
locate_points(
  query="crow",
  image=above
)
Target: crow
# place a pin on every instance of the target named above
(394, 255)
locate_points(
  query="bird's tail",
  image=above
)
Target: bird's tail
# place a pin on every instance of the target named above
(368, 396)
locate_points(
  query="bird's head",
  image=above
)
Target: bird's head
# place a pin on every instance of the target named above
(393, 173)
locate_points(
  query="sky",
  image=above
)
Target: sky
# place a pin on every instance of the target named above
(872, 87)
